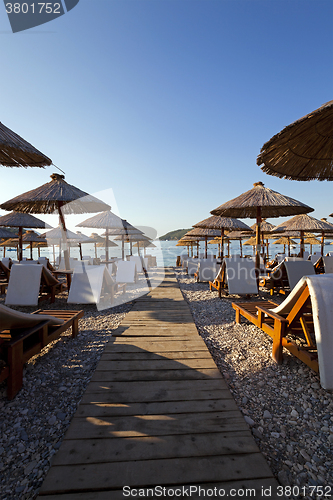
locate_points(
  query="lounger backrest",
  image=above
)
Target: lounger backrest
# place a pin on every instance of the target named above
(321, 293)
(297, 269)
(207, 269)
(87, 284)
(126, 271)
(11, 319)
(138, 262)
(6, 261)
(328, 264)
(286, 306)
(314, 258)
(241, 276)
(24, 284)
(192, 266)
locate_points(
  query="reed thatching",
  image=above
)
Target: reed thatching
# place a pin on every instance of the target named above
(53, 196)
(104, 244)
(269, 203)
(105, 220)
(304, 222)
(10, 242)
(31, 236)
(283, 240)
(203, 232)
(96, 238)
(56, 235)
(303, 150)
(265, 227)
(312, 241)
(145, 244)
(5, 234)
(17, 219)
(216, 222)
(251, 242)
(84, 238)
(16, 152)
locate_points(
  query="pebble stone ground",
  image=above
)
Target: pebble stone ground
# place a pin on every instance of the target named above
(290, 415)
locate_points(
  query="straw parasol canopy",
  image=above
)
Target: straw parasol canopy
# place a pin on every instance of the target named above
(20, 220)
(110, 222)
(222, 223)
(134, 237)
(304, 223)
(32, 237)
(110, 244)
(5, 234)
(303, 150)
(56, 196)
(261, 202)
(203, 233)
(16, 152)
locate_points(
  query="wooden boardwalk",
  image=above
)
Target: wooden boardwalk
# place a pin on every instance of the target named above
(157, 412)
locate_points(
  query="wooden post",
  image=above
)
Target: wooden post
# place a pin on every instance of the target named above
(322, 244)
(20, 242)
(222, 237)
(302, 244)
(64, 234)
(107, 245)
(258, 239)
(206, 237)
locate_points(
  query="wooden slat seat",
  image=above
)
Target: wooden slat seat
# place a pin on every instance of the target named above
(18, 345)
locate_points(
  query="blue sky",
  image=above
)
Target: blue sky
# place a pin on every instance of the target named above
(166, 102)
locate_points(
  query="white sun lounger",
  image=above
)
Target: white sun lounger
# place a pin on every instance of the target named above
(207, 269)
(192, 266)
(87, 285)
(126, 271)
(328, 264)
(23, 285)
(241, 276)
(138, 262)
(296, 269)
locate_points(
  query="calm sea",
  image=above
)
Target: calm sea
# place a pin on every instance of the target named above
(166, 251)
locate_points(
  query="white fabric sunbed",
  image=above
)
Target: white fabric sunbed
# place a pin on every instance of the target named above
(138, 262)
(328, 264)
(192, 266)
(207, 269)
(241, 276)
(126, 271)
(321, 293)
(24, 284)
(88, 283)
(297, 269)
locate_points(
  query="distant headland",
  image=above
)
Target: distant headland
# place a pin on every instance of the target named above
(174, 235)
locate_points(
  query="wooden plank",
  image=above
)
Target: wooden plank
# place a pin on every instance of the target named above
(147, 375)
(86, 451)
(155, 408)
(155, 388)
(250, 488)
(169, 345)
(156, 425)
(180, 356)
(95, 396)
(159, 364)
(147, 472)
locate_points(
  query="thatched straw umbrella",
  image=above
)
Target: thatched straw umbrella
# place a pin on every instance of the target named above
(56, 237)
(251, 242)
(32, 237)
(56, 196)
(284, 240)
(10, 243)
(83, 239)
(108, 221)
(194, 239)
(134, 237)
(221, 223)
(203, 233)
(311, 241)
(189, 243)
(261, 202)
(16, 152)
(304, 223)
(303, 150)
(96, 239)
(20, 220)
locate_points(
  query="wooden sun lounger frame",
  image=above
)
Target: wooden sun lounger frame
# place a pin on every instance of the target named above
(4, 277)
(220, 284)
(28, 342)
(298, 322)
